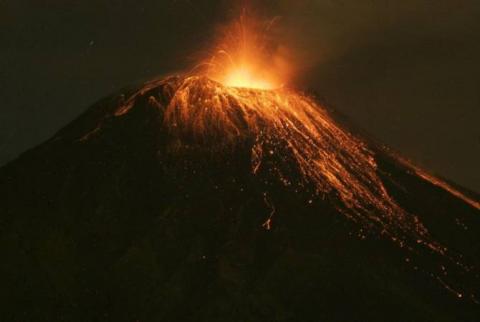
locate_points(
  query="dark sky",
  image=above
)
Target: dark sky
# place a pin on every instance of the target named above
(408, 72)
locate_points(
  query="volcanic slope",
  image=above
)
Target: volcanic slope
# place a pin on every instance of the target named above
(185, 200)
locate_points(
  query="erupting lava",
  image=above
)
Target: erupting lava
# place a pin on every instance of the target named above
(245, 57)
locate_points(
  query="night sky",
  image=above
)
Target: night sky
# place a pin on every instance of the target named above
(407, 72)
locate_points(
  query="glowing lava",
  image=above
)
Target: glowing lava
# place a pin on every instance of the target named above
(243, 76)
(246, 57)
(293, 138)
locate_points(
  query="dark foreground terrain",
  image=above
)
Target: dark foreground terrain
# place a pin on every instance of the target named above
(102, 223)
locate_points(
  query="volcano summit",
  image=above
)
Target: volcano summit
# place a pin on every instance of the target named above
(188, 200)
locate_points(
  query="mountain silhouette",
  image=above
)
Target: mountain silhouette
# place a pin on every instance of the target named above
(185, 200)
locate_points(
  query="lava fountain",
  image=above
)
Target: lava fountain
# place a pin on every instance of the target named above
(246, 57)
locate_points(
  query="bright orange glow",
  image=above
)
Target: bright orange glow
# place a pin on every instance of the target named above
(247, 57)
(243, 76)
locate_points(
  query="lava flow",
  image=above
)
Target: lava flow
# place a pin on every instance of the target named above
(297, 136)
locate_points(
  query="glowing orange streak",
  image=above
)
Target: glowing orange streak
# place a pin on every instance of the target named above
(438, 182)
(447, 187)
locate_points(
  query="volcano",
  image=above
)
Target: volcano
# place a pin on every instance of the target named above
(184, 199)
